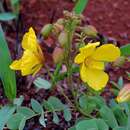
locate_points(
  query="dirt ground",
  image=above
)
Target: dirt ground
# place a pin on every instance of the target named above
(111, 18)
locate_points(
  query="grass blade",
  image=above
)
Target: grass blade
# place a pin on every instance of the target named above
(6, 74)
(80, 6)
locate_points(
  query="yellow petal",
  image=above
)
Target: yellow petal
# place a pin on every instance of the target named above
(96, 79)
(34, 70)
(29, 40)
(79, 58)
(96, 65)
(29, 63)
(107, 52)
(16, 65)
(89, 49)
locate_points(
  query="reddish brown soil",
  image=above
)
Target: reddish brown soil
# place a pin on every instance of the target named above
(110, 17)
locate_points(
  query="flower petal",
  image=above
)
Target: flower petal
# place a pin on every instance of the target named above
(30, 41)
(29, 63)
(96, 79)
(107, 52)
(89, 49)
(16, 65)
(96, 65)
(79, 58)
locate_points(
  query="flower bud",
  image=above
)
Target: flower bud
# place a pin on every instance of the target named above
(124, 94)
(90, 30)
(60, 21)
(58, 28)
(46, 30)
(63, 38)
(57, 55)
(119, 61)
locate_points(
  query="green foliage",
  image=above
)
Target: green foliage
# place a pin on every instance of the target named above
(102, 124)
(6, 74)
(87, 125)
(120, 82)
(5, 113)
(117, 86)
(18, 101)
(119, 128)
(14, 122)
(26, 112)
(67, 113)
(22, 124)
(92, 124)
(90, 103)
(80, 6)
(7, 16)
(54, 105)
(128, 74)
(109, 117)
(17, 119)
(36, 106)
(125, 50)
(15, 6)
(42, 83)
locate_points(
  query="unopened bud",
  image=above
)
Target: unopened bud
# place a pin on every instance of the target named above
(90, 30)
(46, 30)
(57, 55)
(124, 94)
(60, 21)
(58, 28)
(119, 61)
(63, 38)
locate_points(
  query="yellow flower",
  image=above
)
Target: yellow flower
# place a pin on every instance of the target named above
(92, 59)
(124, 94)
(33, 58)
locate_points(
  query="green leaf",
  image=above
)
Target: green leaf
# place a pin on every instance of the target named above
(87, 125)
(80, 6)
(55, 118)
(7, 16)
(120, 82)
(102, 124)
(125, 50)
(86, 104)
(15, 6)
(6, 74)
(115, 85)
(42, 120)
(22, 124)
(36, 106)
(128, 123)
(98, 100)
(18, 101)
(55, 103)
(107, 114)
(120, 115)
(5, 113)
(14, 122)
(42, 83)
(14, 2)
(72, 128)
(67, 113)
(27, 112)
(119, 128)
(90, 103)
(128, 74)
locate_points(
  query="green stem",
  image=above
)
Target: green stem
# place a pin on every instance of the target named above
(55, 75)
